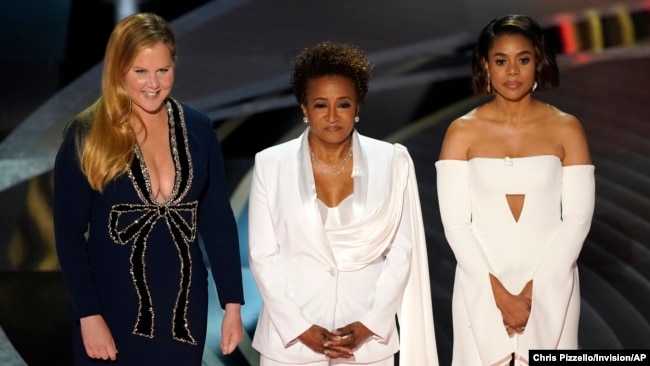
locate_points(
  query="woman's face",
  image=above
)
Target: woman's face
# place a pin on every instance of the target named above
(511, 66)
(330, 106)
(150, 78)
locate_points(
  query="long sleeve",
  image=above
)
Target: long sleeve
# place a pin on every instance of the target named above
(217, 224)
(72, 206)
(265, 265)
(473, 269)
(554, 279)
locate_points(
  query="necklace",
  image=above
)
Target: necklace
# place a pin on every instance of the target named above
(331, 169)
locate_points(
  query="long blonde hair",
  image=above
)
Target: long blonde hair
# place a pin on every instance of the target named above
(106, 150)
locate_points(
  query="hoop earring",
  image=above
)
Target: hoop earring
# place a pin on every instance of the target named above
(356, 119)
(489, 85)
(534, 86)
(305, 120)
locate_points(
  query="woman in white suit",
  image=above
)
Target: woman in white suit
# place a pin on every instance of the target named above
(335, 232)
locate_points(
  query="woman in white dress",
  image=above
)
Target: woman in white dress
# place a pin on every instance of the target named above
(335, 232)
(516, 194)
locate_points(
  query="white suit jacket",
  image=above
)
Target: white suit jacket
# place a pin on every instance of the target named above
(297, 274)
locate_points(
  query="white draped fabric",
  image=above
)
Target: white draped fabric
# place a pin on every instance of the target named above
(367, 262)
(362, 242)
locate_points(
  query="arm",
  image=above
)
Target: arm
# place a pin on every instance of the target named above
(72, 206)
(218, 230)
(264, 263)
(554, 278)
(71, 209)
(473, 269)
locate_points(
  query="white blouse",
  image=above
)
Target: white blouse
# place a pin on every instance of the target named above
(336, 216)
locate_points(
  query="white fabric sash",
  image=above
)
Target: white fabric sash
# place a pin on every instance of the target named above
(363, 241)
(360, 243)
(415, 315)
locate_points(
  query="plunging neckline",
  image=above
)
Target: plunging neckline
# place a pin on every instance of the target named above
(174, 155)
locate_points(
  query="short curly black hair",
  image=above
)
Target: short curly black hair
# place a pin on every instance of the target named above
(329, 58)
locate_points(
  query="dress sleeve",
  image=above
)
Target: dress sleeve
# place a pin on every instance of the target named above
(554, 279)
(218, 227)
(285, 314)
(473, 267)
(71, 210)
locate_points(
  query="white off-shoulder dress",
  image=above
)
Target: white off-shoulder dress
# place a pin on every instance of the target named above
(542, 245)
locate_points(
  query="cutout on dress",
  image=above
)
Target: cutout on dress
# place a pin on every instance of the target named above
(516, 204)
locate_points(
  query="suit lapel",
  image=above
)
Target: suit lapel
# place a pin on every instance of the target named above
(308, 197)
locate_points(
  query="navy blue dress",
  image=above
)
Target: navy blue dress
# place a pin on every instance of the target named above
(138, 262)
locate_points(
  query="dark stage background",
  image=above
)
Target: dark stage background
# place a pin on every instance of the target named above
(234, 63)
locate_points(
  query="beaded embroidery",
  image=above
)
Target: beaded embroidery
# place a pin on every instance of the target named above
(180, 218)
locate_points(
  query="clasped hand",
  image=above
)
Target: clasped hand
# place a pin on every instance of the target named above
(338, 343)
(515, 308)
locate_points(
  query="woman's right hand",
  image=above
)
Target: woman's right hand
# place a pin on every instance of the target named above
(515, 313)
(315, 338)
(97, 338)
(515, 309)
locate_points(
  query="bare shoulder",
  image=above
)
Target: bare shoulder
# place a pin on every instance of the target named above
(459, 136)
(567, 125)
(559, 116)
(571, 135)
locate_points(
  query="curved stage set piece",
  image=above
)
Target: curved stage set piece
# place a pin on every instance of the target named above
(234, 63)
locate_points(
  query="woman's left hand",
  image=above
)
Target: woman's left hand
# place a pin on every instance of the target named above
(348, 338)
(232, 331)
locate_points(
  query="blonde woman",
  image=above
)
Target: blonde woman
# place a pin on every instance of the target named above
(138, 179)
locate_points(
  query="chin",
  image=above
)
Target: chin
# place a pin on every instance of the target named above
(511, 97)
(151, 105)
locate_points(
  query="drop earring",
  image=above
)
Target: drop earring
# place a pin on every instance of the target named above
(534, 86)
(305, 120)
(356, 119)
(489, 85)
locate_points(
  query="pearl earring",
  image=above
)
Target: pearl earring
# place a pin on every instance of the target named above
(356, 119)
(305, 120)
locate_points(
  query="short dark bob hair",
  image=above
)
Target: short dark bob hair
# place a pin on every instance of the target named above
(546, 71)
(328, 59)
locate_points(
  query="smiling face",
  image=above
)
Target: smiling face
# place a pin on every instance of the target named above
(330, 106)
(150, 78)
(511, 66)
